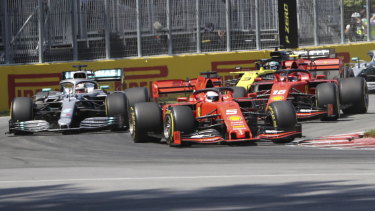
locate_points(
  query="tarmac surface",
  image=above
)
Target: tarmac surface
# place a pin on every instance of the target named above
(107, 171)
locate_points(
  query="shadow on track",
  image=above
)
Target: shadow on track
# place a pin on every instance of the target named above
(333, 195)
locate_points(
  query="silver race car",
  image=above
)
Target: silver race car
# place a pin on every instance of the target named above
(366, 70)
(80, 104)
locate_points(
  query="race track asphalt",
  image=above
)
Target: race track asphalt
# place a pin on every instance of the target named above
(107, 171)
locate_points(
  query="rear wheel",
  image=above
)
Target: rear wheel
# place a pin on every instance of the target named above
(145, 118)
(116, 107)
(326, 93)
(135, 95)
(282, 116)
(179, 118)
(238, 91)
(354, 93)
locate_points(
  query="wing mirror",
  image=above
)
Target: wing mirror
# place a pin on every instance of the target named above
(182, 99)
(104, 87)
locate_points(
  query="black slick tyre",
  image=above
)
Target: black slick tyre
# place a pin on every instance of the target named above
(145, 118)
(135, 95)
(238, 92)
(326, 93)
(115, 104)
(21, 109)
(354, 95)
(282, 116)
(178, 118)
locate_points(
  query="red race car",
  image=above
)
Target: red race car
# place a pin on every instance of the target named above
(212, 116)
(313, 81)
(313, 96)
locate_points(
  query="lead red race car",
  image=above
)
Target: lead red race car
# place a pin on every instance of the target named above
(211, 115)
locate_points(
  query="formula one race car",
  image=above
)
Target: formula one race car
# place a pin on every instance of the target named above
(313, 96)
(298, 80)
(212, 116)
(365, 70)
(81, 104)
(319, 62)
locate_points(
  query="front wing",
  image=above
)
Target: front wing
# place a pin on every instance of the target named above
(265, 132)
(36, 126)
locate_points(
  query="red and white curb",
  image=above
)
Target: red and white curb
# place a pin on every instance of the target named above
(342, 141)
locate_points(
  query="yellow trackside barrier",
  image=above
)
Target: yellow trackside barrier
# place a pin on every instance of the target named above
(26, 80)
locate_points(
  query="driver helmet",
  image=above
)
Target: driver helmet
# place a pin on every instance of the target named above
(292, 78)
(274, 65)
(212, 96)
(80, 88)
(356, 15)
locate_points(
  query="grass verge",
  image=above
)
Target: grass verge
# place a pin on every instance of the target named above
(370, 133)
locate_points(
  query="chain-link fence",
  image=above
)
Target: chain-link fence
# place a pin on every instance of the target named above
(65, 30)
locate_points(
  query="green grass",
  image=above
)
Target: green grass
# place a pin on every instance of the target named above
(370, 133)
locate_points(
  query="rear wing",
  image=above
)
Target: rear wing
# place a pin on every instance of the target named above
(203, 81)
(97, 75)
(316, 53)
(322, 64)
(170, 87)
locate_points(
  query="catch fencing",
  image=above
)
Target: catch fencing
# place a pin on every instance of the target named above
(37, 31)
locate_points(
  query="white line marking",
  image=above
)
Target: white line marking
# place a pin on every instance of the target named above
(185, 177)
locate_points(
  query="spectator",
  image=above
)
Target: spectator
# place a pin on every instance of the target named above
(356, 29)
(372, 21)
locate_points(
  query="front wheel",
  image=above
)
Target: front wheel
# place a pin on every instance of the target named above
(145, 118)
(282, 115)
(179, 118)
(21, 110)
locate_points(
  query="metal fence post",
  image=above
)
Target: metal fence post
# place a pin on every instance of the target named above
(107, 28)
(227, 23)
(197, 17)
(315, 15)
(6, 31)
(342, 24)
(74, 29)
(40, 31)
(368, 11)
(169, 28)
(257, 25)
(139, 38)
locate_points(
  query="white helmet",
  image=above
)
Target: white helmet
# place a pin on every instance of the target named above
(212, 96)
(356, 15)
(274, 65)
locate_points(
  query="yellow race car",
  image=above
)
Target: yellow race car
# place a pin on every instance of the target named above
(246, 78)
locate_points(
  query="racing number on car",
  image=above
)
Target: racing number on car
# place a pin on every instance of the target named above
(231, 111)
(279, 92)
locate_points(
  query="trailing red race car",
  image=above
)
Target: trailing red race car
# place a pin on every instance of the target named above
(212, 116)
(313, 96)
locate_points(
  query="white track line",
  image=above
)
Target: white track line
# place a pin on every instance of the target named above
(184, 177)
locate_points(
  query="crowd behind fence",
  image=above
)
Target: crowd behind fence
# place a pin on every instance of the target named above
(34, 31)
